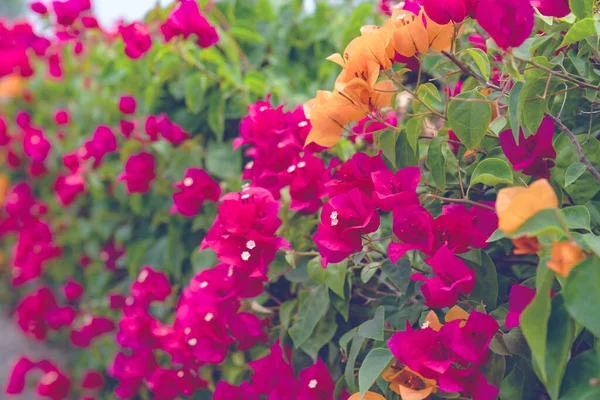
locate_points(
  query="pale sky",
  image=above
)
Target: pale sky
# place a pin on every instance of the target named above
(108, 11)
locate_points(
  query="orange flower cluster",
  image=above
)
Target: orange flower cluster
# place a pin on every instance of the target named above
(358, 91)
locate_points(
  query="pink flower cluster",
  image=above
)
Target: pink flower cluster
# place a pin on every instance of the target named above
(278, 156)
(207, 323)
(451, 356)
(274, 376)
(53, 384)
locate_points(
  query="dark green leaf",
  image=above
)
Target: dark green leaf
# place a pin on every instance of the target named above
(357, 342)
(436, 162)
(520, 383)
(486, 282)
(311, 311)
(581, 373)
(582, 8)
(323, 333)
(405, 155)
(577, 217)
(580, 31)
(469, 115)
(492, 172)
(216, 116)
(494, 369)
(373, 328)
(566, 155)
(375, 363)
(387, 144)
(544, 222)
(195, 91)
(222, 161)
(414, 127)
(336, 277)
(582, 297)
(574, 171)
(285, 312)
(398, 274)
(513, 109)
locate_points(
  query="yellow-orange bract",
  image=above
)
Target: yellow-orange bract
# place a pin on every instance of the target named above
(407, 32)
(455, 313)
(515, 205)
(4, 185)
(409, 384)
(526, 245)
(11, 86)
(564, 256)
(439, 36)
(367, 396)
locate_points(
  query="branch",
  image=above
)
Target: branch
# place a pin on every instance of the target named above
(461, 201)
(566, 77)
(464, 68)
(577, 145)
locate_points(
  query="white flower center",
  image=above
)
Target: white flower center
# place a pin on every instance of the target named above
(280, 145)
(291, 168)
(230, 272)
(249, 164)
(187, 330)
(180, 374)
(129, 301)
(313, 383)
(302, 124)
(333, 217)
(188, 181)
(143, 276)
(209, 317)
(193, 341)
(263, 108)
(49, 378)
(301, 164)
(245, 196)
(35, 139)
(250, 244)
(425, 325)
(203, 285)
(245, 255)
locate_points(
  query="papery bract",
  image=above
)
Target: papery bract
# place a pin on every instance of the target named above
(186, 20)
(139, 172)
(509, 22)
(195, 188)
(137, 39)
(519, 298)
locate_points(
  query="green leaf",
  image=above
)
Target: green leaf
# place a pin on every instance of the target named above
(580, 31)
(497, 235)
(405, 155)
(492, 172)
(574, 171)
(470, 119)
(216, 116)
(486, 282)
(520, 383)
(577, 217)
(311, 311)
(357, 342)
(532, 104)
(498, 125)
(367, 272)
(336, 277)
(481, 60)
(582, 8)
(582, 297)
(373, 328)
(414, 127)
(593, 241)
(561, 330)
(357, 20)
(387, 144)
(436, 162)
(285, 312)
(581, 372)
(315, 271)
(534, 319)
(256, 82)
(566, 155)
(544, 222)
(195, 91)
(513, 109)
(375, 363)
(222, 161)
(246, 34)
(494, 369)
(322, 334)
(427, 93)
(399, 273)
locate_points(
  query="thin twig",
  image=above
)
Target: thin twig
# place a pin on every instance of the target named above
(578, 148)
(461, 201)
(469, 71)
(559, 74)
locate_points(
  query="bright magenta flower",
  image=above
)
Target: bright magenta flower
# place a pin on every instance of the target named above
(127, 104)
(92, 380)
(196, 187)
(248, 330)
(226, 391)
(103, 142)
(414, 227)
(453, 278)
(356, 173)
(92, 328)
(534, 155)
(519, 298)
(68, 187)
(39, 8)
(470, 340)
(367, 126)
(61, 117)
(396, 190)
(552, 8)
(137, 39)
(316, 382)
(72, 290)
(35, 144)
(38, 312)
(53, 384)
(509, 22)
(445, 11)
(110, 254)
(150, 286)
(271, 370)
(139, 173)
(344, 219)
(130, 371)
(67, 11)
(307, 187)
(186, 20)
(462, 228)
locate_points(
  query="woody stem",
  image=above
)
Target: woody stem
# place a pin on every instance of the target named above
(460, 201)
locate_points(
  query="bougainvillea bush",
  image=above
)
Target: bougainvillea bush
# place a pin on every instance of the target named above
(254, 200)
